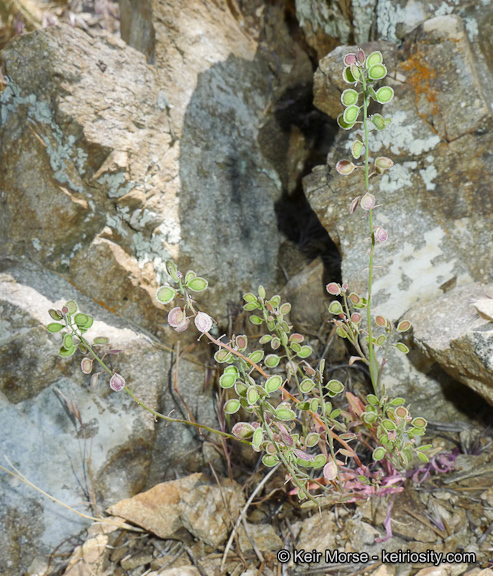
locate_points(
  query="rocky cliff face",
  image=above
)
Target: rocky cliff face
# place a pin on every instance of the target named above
(188, 138)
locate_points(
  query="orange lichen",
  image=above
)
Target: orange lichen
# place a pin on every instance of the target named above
(105, 306)
(421, 77)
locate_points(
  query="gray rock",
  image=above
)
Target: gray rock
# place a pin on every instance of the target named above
(436, 200)
(450, 330)
(136, 163)
(44, 438)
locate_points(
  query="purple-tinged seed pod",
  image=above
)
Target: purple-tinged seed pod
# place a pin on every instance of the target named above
(176, 317)
(86, 365)
(354, 204)
(368, 201)
(349, 59)
(381, 235)
(333, 288)
(117, 382)
(203, 322)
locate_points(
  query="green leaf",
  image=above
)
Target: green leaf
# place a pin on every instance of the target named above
(250, 306)
(305, 405)
(304, 352)
(423, 457)
(68, 341)
(372, 399)
(197, 284)
(273, 383)
(256, 320)
(66, 352)
(374, 58)
(335, 413)
(272, 360)
(165, 294)
(72, 306)
(227, 380)
(379, 453)
(261, 291)
(351, 114)
(384, 94)
(54, 327)
(256, 356)
(80, 319)
(349, 97)
(232, 406)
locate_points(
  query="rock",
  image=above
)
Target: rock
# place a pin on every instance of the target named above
(137, 560)
(451, 332)
(443, 570)
(308, 298)
(326, 24)
(178, 571)
(436, 205)
(317, 532)
(264, 536)
(87, 560)
(42, 434)
(129, 177)
(189, 502)
(207, 511)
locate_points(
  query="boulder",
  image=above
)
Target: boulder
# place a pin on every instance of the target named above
(452, 331)
(116, 163)
(76, 442)
(436, 202)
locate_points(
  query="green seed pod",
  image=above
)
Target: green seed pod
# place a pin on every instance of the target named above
(71, 305)
(81, 319)
(284, 413)
(232, 406)
(165, 294)
(312, 439)
(377, 72)
(384, 94)
(349, 97)
(379, 453)
(272, 360)
(227, 380)
(252, 395)
(307, 386)
(68, 341)
(54, 327)
(172, 270)
(197, 284)
(273, 383)
(256, 356)
(243, 430)
(335, 387)
(304, 352)
(335, 307)
(374, 58)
